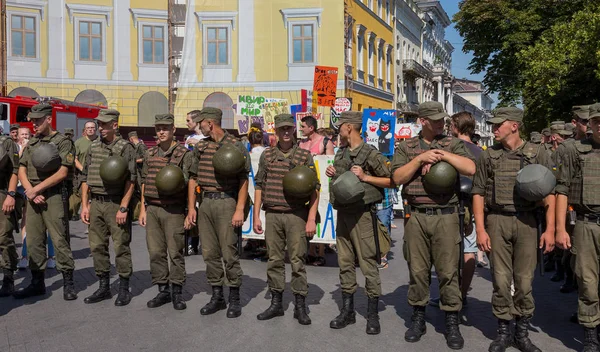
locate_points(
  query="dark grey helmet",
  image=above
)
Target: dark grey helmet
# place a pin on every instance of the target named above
(300, 182)
(466, 184)
(348, 189)
(535, 182)
(170, 180)
(45, 157)
(113, 170)
(228, 160)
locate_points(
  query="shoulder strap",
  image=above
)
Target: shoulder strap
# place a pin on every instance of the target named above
(202, 145)
(153, 151)
(412, 142)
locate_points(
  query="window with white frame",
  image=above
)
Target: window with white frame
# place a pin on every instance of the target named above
(360, 42)
(153, 44)
(217, 46)
(380, 61)
(303, 43)
(371, 53)
(23, 37)
(90, 39)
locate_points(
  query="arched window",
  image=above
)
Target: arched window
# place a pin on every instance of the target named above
(149, 105)
(92, 97)
(23, 92)
(221, 101)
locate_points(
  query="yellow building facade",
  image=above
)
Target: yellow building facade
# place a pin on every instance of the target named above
(370, 53)
(115, 52)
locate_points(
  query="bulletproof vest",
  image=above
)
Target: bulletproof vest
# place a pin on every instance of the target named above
(343, 162)
(501, 191)
(414, 190)
(155, 164)
(98, 152)
(208, 179)
(277, 166)
(36, 176)
(585, 186)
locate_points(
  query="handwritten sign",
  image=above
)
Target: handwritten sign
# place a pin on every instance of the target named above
(341, 105)
(325, 84)
(271, 108)
(378, 129)
(250, 105)
(300, 115)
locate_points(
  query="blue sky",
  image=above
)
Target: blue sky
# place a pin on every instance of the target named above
(460, 60)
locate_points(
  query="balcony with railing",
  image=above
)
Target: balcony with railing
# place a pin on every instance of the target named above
(411, 67)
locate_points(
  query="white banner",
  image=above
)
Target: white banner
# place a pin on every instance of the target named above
(326, 229)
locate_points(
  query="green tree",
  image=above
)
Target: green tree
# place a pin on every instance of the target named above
(562, 69)
(496, 31)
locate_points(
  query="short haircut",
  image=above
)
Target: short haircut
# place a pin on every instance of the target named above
(356, 126)
(464, 123)
(310, 121)
(194, 113)
(92, 122)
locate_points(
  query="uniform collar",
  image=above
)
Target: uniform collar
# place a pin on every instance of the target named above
(357, 149)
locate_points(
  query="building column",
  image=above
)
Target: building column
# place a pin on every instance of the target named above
(121, 41)
(450, 105)
(246, 41)
(57, 52)
(440, 91)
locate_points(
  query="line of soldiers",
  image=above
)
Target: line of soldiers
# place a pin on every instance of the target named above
(508, 214)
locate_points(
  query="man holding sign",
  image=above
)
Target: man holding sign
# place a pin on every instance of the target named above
(291, 211)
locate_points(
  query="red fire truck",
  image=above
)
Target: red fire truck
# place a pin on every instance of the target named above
(65, 114)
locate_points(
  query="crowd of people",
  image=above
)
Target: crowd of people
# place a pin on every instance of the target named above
(200, 187)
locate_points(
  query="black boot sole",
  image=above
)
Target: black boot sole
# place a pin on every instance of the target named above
(347, 322)
(179, 306)
(220, 306)
(416, 339)
(156, 304)
(122, 302)
(302, 322)
(90, 300)
(70, 297)
(269, 317)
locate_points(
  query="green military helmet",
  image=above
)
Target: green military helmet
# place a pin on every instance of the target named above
(170, 180)
(535, 182)
(228, 160)
(113, 170)
(3, 157)
(45, 157)
(441, 178)
(348, 189)
(300, 182)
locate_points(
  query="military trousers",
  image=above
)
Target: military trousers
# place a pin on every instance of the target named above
(7, 239)
(513, 258)
(433, 240)
(219, 242)
(166, 243)
(74, 202)
(281, 230)
(354, 239)
(49, 217)
(586, 249)
(103, 225)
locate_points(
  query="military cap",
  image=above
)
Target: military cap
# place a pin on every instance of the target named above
(535, 137)
(353, 117)
(209, 113)
(164, 119)
(581, 111)
(432, 110)
(546, 132)
(69, 131)
(108, 115)
(283, 120)
(132, 134)
(40, 110)
(569, 128)
(595, 111)
(510, 113)
(14, 126)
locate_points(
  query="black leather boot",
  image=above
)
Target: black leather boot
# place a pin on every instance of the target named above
(163, 297)
(8, 283)
(235, 307)
(37, 287)
(124, 296)
(347, 314)
(417, 328)
(373, 327)
(454, 339)
(503, 340)
(216, 303)
(590, 341)
(103, 291)
(68, 286)
(300, 310)
(275, 309)
(522, 341)
(177, 297)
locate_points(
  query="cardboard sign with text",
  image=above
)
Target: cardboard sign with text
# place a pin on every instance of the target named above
(341, 105)
(325, 84)
(378, 129)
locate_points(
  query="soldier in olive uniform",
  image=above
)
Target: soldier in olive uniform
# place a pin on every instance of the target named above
(577, 185)
(289, 220)
(82, 145)
(69, 133)
(508, 229)
(433, 218)
(221, 213)
(9, 169)
(46, 209)
(164, 215)
(140, 151)
(105, 208)
(354, 228)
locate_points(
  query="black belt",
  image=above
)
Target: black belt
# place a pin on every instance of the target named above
(107, 199)
(217, 195)
(435, 211)
(593, 218)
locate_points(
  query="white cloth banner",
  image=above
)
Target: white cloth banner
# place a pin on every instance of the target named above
(326, 229)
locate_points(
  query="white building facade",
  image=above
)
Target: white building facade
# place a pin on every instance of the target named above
(472, 97)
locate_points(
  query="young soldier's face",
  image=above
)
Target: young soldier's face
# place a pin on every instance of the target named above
(504, 129)
(107, 128)
(165, 132)
(436, 127)
(595, 127)
(285, 133)
(42, 125)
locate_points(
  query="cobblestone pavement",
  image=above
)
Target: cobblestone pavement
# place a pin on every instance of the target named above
(49, 324)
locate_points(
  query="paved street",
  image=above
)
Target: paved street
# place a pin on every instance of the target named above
(51, 324)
